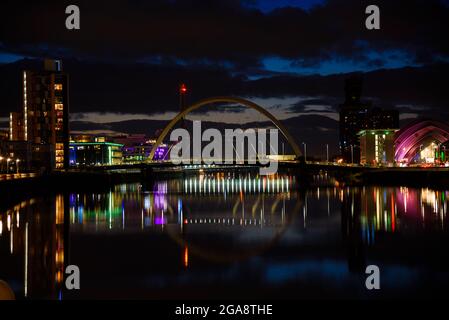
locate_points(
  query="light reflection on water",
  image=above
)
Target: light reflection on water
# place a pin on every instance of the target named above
(244, 232)
(238, 201)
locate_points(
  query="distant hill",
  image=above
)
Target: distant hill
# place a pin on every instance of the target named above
(315, 130)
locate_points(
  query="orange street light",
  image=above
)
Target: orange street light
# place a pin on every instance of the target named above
(7, 165)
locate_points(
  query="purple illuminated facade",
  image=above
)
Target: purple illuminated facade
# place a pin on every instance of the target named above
(139, 151)
(161, 153)
(411, 138)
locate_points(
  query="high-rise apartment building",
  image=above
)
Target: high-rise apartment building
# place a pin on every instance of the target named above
(44, 119)
(16, 126)
(356, 116)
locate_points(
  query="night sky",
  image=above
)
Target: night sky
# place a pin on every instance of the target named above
(291, 57)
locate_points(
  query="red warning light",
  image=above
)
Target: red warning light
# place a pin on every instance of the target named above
(183, 88)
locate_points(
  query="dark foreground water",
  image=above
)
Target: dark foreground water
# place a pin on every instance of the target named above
(223, 236)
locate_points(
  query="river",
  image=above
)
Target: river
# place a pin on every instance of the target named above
(226, 235)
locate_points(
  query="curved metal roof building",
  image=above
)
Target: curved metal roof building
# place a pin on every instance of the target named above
(423, 132)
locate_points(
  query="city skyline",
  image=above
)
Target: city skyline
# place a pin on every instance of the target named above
(136, 78)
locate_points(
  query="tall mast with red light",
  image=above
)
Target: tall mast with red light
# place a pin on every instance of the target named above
(182, 96)
(182, 101)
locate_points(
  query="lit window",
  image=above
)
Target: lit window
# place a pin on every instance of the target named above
(58, 86)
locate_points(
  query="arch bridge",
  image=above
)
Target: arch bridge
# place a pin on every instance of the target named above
(240, 101)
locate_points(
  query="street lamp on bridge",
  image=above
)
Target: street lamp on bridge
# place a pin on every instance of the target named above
(352, 154)
(7, 165)
(305, 151)
(420, 153)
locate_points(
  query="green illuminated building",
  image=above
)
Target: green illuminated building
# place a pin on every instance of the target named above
(98, 152)
(377, 146)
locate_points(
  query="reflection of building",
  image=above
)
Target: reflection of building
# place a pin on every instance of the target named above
(90, 151)
(44, 119)
(422, 141)
(131, 205)
(34, 231)
(356, 116)
(371, 212)
(377, 146)
(351, 227)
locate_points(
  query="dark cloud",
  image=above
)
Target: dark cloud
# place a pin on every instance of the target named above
(195, 30)
(312, 105)
(149, 89)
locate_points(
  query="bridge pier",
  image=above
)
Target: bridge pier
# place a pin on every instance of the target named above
(147, 177)
(303, 176)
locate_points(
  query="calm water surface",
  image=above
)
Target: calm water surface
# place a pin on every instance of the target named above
(228, 236)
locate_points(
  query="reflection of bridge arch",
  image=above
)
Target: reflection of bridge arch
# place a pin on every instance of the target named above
(241, 101)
